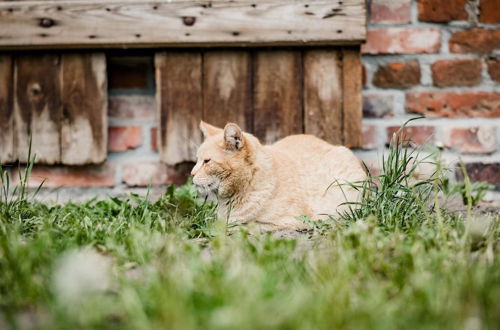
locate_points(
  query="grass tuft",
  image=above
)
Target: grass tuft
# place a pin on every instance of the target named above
(399, 198)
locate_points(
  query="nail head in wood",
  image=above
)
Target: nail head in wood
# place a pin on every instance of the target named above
(188, 20)
(35, 89)
(46, 22)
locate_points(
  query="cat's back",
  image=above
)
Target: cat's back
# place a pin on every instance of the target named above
(317, 165)
(309, 151)
(300, 143)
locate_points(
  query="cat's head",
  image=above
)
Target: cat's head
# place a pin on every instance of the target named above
(224, 160)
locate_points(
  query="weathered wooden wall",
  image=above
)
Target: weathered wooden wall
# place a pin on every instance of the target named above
(84, 99)
(352, 81)
(46, 24)
(323, 99)
(277, 94)
(179, 81)
(7, 129)
(271, 93)
(58, 103)
(227, 85)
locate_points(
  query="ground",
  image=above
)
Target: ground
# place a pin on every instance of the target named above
(403, 259)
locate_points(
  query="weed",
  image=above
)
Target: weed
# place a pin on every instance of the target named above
(396, 198)
(477, 190)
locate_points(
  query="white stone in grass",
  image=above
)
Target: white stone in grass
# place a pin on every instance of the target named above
(479, 228)
(362, 225)
(80, 272)
(473, 323)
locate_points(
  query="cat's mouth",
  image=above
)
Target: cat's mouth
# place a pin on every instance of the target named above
(208, 191)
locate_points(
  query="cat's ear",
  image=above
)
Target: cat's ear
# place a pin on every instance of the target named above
(233, 137)
(208, 130)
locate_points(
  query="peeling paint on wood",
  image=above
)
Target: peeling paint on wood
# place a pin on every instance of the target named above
(38, 107)
(8, 151)
(59, 103)
(277, 94)
(84, 97)
(179, 94)
(227, 88)
(323, 94)
(352, 82)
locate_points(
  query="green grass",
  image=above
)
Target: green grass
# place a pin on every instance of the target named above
(397, 262)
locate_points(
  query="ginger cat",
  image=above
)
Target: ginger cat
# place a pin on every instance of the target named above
(274, 184)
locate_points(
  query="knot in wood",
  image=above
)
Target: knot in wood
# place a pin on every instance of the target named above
(188, 20)
(34, 90)
(46, 22)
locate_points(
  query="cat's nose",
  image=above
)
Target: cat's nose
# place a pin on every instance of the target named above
(196, 168)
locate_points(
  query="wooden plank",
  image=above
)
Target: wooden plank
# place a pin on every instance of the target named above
(84, 96)
(352, 81)
(227, 88)
(37, 107)
(323, 94)
(140, 23)
(179, 95)
(277, 94)
(7, 142)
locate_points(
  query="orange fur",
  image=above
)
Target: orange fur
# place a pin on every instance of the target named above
(272, 185)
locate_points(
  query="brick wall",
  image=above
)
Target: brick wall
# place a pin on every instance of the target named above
(440, 58)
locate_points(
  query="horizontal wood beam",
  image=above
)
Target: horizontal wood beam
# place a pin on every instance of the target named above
(140, 23)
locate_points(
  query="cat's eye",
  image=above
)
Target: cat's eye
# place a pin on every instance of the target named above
(206, 161)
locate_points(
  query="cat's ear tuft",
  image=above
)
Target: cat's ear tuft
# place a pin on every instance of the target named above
(233, 137)
(208, 130)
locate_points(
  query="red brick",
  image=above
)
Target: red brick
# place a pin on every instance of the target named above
(417, 134)
(132, 107)
(154, 138)
(122, 138)
(390, 11)
(471, 140)
(489, 11)
(476, 40)
(378, 105)
(447, 73)
(369, 137)
(402, 41)
(144, 173)
(485, 172)
(72, 176)
(452, 104)
(494, 69)
(441, 10)
(397, 75)
(129, 72)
